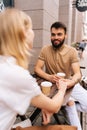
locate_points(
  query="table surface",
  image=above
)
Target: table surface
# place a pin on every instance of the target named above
(36, 111)
(54, 89)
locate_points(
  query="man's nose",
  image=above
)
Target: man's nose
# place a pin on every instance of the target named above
(56, 36)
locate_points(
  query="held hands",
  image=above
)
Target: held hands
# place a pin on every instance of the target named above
(61, 84)
(55, 79)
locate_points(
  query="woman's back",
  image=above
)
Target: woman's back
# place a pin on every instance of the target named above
(15, 87)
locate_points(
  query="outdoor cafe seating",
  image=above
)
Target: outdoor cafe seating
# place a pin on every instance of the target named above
(60, 117)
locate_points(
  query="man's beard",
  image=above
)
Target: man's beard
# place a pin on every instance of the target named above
(57, 45)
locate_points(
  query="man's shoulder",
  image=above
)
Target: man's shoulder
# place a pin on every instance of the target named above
(69, 48)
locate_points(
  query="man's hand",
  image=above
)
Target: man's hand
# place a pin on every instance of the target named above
(53, 78)
(70, 83)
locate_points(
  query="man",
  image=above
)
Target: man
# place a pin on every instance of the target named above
(60, 57)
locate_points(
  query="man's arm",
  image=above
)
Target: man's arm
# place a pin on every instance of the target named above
(76, 77)
(77, 72)
(39, 69)
(41, 72)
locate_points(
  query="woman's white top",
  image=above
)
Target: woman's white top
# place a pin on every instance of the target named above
(17, 88)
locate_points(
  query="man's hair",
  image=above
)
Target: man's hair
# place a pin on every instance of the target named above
(59, 25)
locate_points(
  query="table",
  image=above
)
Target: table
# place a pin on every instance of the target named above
(53, 92)
(53, 88)
(36, 112)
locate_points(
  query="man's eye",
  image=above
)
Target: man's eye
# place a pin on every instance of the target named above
(59, 34)
(53, 34)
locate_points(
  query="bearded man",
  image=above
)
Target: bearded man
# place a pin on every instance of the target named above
(59, 57)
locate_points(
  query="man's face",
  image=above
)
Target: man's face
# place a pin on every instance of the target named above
(57, 37)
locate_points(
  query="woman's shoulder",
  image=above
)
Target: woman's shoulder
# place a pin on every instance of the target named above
(10, 70)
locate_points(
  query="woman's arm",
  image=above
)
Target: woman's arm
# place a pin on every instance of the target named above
(52, 105)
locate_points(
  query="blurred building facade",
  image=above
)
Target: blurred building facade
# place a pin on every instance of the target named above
(43, 13)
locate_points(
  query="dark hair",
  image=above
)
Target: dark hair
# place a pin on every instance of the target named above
(58, 25)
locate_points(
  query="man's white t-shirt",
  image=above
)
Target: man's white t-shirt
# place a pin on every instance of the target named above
(17, 88)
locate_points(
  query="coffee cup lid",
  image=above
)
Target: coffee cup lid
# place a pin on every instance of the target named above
(61, 74)
(46, 83)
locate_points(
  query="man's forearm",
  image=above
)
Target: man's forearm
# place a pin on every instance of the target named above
(74, 80)
(42, 74)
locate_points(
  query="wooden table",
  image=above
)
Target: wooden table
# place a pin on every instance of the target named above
(36, 111)
(53, 92)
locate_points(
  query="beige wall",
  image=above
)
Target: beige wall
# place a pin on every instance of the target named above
(65, 15)
(73, 20)
(77, 23)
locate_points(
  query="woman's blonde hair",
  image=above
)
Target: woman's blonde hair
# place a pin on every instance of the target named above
(13, 25)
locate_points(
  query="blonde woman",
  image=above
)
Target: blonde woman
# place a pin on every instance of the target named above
(18, 89)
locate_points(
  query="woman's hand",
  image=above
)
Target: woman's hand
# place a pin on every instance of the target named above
(46, 117)
(62, 84)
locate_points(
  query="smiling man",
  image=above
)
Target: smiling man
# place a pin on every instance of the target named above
(59, 57)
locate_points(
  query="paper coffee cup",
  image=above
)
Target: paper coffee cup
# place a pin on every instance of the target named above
(46, 87)
(61, 74)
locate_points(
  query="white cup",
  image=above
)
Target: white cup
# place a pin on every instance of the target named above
(46, 87)
(61, 74)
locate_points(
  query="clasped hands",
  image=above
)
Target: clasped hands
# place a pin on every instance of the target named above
(55, 79)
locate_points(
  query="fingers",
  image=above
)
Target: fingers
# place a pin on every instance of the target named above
(61, 84)
(46, 117)
(46, 120)
(54, 78)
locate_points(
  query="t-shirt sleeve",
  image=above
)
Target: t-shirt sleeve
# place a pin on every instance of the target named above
(74, 55)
